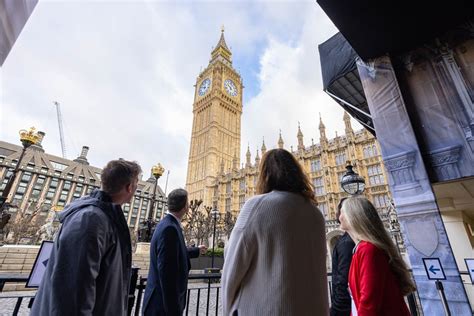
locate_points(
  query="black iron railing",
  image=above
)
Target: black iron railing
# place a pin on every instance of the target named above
(202, 299)
(195, 295)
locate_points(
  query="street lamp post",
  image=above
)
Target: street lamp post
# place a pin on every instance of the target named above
(27, 138)
(215, 215)
(352, 182)
(146, 231)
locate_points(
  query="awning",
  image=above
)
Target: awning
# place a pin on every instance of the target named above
(341, 79)
(374, 28)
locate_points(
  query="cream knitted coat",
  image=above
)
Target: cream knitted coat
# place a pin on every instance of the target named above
(275, 260)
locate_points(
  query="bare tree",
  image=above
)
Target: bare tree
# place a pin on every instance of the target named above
(228, 223)
(190, 221)
(198, 223)
(26, 223)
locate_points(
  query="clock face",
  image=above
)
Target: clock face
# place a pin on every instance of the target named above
(204, 86)
(229, 85)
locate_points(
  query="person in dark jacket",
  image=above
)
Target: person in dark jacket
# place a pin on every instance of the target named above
(167, 282)
(88, 272)
(341, 262)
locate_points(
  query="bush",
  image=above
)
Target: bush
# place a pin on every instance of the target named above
(218, 252)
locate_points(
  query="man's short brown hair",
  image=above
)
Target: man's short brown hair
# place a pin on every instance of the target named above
(117, 174)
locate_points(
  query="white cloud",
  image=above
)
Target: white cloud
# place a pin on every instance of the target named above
(124, 75)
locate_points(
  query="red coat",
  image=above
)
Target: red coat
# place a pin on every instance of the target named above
(373, 285)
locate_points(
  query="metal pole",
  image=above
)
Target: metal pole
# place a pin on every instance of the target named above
(440, 288)
(152, 206)
(213, 238)
(166, 185)
(9, 185)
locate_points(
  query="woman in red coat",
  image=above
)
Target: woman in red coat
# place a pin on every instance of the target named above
(378, 276)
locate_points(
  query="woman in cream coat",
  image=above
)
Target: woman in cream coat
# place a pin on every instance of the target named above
(275, 260)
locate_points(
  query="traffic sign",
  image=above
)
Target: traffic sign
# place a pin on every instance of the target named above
(470, 268)
(39, 267)
(433, 268)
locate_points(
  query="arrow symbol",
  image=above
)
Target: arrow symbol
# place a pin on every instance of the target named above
(45, 262)
(433, 269)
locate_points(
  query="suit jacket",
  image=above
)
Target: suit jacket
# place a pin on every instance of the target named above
(341, 261)
(167, 282)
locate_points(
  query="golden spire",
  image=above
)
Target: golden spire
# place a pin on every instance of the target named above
(221, 49)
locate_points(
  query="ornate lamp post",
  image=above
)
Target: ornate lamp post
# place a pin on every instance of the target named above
(352, 182)
(147, 227)
(27, 138)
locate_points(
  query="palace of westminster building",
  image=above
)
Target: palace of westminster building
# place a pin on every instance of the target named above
(215, 173)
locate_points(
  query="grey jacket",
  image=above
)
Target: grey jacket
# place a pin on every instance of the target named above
(88, 272)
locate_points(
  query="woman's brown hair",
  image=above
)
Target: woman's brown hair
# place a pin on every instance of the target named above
(279, 170)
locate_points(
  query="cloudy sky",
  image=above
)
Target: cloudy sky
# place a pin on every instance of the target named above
(124, 72)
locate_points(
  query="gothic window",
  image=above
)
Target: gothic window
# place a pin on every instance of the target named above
(381, 200)
(370, 151)
(241, 201)
(375, 175)
(318, 186)
(242, 184)
(339, 177)
(323, 207)
(228, 187)
(227, 205)
(315, 165)
(340, 158)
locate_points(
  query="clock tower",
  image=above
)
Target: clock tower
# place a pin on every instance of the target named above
(217, 111)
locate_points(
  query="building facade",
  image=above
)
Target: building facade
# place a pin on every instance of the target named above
(217, 111)
(324, 163)
(51, 182)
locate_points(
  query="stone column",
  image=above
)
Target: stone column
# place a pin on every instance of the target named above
(420, 220)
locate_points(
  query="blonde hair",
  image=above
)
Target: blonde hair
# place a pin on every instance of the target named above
(365, 223)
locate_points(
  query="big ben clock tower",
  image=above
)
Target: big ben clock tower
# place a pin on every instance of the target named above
(217, 110)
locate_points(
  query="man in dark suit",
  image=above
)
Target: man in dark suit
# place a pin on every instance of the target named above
(341, 262)
(167, 282)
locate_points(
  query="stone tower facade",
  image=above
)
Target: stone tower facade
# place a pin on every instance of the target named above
(217, 111)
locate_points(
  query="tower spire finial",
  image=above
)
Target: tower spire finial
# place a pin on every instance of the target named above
(280, 141)
(222, 28)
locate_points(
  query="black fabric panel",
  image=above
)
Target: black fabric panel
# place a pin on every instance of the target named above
(337, 59)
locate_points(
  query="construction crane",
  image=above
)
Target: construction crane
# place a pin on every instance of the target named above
(60, 124)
